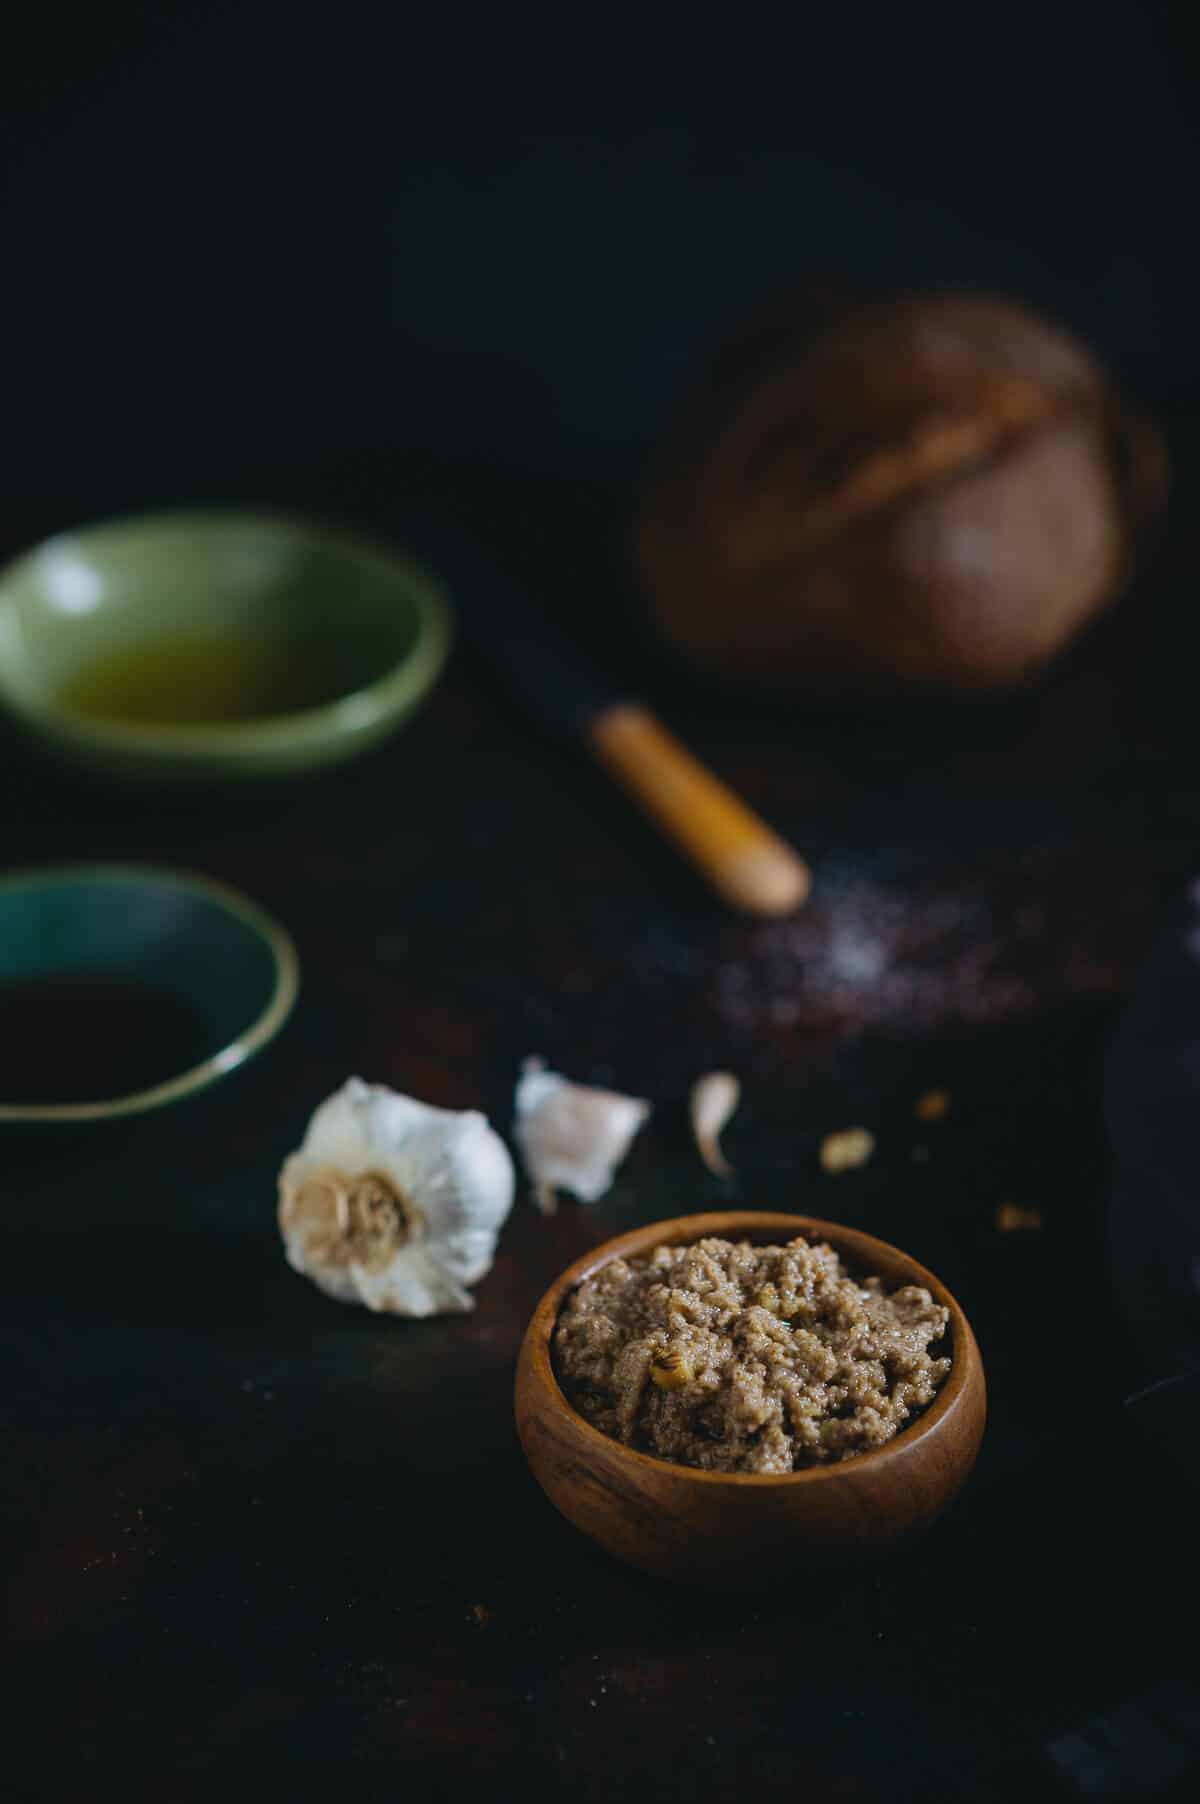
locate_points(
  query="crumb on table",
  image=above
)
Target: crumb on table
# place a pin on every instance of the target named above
(1016, 1218)
(847, 1150)
(933, 1106)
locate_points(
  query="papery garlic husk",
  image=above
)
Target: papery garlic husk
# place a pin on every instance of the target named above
(395, 1204)
(713, 1101)
(572, 1137)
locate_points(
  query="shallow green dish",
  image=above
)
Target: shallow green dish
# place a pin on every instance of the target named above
(233, 966)
(354, 612)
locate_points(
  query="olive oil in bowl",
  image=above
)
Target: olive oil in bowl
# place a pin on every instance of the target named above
(216, 645)
(195, 678)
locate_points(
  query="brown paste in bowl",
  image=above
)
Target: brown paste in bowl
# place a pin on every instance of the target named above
(743, 1358)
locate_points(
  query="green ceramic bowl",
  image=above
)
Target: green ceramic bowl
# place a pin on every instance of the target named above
(86, 937)
(209, 644)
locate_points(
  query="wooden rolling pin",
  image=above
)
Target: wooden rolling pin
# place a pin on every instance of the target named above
(744, 861)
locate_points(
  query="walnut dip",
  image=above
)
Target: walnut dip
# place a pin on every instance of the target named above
(743, 1358)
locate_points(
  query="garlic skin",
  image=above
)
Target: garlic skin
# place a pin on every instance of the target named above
(394, 1204)
(571, 1136)
(713, 1101)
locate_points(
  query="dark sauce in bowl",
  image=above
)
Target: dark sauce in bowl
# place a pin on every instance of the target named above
(89, 1036)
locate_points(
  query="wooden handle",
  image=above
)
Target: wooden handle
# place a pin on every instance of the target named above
(748, 864)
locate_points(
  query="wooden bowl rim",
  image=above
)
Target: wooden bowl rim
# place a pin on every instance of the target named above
(966, 1367)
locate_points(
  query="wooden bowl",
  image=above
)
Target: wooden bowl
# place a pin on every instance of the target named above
(740, 1529)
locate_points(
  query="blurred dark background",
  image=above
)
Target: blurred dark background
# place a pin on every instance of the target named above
(239, 235)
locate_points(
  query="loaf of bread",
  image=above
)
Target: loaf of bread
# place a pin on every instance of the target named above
(932, 490)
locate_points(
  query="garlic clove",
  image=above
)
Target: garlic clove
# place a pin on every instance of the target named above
(713, 1101)
(572, 1136)
(394, 1204)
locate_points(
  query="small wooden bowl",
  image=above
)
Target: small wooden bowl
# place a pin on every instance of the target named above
(742, 1529)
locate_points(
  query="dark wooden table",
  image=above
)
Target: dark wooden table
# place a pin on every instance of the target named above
(257, 1534)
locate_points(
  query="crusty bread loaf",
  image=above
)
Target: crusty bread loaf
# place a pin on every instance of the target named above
(935, 490)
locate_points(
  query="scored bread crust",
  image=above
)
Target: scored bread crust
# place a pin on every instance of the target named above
(933, 488)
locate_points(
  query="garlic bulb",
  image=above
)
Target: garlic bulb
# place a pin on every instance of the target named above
(572, 1137)
(394, 1204)
(714, 1099)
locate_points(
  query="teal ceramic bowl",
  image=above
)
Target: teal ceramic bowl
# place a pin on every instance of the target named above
(215, 644)
(153, 983)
